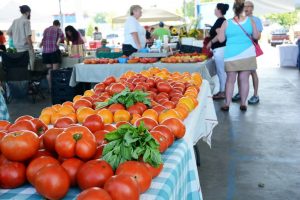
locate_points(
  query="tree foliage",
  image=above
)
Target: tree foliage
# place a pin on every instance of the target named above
(90, 30)
(100, 18)
(285, 19)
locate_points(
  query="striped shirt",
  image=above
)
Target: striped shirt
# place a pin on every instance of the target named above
(3, 109)
(50, 38)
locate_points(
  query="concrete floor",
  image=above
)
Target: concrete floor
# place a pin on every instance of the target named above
(258, 147)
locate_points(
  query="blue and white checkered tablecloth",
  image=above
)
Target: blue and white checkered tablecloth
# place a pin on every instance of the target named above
(177, 181)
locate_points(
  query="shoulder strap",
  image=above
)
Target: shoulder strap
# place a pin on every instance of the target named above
(243, 30)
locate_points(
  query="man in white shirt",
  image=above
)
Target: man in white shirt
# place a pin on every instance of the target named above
(20, 32)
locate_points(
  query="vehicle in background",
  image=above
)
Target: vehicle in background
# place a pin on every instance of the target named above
(278, 37)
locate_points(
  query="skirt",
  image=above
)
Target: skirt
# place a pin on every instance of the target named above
(245, 64)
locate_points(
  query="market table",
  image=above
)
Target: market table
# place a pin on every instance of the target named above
(179, 177)
(95, 73)
(288, 54)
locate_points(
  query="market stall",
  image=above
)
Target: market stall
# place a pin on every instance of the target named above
(94, 73)
(288, 54)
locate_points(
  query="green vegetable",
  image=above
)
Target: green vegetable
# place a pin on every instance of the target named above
(126, 98)
(131, 143)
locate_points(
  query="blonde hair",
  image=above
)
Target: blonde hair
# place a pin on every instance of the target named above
(133, 8)
(238, 7)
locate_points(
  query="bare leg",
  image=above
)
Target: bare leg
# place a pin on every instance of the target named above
(49, 67)
(230, 81)
(255, 82)
(244, 85)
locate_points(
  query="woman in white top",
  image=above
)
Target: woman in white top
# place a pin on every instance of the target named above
(134, 33)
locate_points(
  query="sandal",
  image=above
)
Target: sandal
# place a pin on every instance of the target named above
(225, 108)
(218, 96)
(243, 108)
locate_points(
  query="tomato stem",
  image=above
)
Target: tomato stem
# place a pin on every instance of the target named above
(77, 136)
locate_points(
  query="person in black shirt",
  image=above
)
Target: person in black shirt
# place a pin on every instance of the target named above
(218, 48)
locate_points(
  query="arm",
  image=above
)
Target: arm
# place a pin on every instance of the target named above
(255, 34)
(136, 40)
(221, 32)
(29, 41)
(210, 43)
(28, 34)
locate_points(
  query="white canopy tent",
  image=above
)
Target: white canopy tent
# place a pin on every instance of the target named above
(262, 7)
(152, 15)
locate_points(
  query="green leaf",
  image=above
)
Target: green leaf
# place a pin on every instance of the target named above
(155, 157)
(146, 155)
(110, 146)
(137, 152)
(113, 136)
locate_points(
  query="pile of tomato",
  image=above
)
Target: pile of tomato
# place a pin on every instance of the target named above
(63, 147)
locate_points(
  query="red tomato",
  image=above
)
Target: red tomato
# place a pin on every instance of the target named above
(72, 166)
(122, 187)
(148, 122)
(116, 88)
(109, 80)
(22, 125)
(138, 171)
(176, 126)
(40, 153)
(63, 122)
(109, 127)
(20, 145)
(159, 108)
(52, 182)
(164, 87)
(115, 107)
(169, 104)
(82, 103)
(94, 173)
(120, 123)
(24, 117)
(165, 131)
(94, 193)
(162, 140)
(100, 87)
(99, 151)
(99, 135)
(76, 141)
(37, 164)
(4, 125)
(142, 106)
(40, 126)
(49, 138)
(93, 123)
(2, 134)
(12, 174)
(155, 171)
(134, 109)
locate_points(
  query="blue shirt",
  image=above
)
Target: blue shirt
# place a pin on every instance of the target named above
(237, 40)
(258, 23)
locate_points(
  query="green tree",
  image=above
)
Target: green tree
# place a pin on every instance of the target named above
(90, 30)
(100, 18)
(285, 19)
(189, 9)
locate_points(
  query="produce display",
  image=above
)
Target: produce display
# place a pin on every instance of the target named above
(176, 58)
(108, 141)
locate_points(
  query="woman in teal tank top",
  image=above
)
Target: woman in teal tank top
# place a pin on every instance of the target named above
(239, 55)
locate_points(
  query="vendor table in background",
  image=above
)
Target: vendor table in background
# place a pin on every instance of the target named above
(95, 73)
(288, 54)
(179, 178)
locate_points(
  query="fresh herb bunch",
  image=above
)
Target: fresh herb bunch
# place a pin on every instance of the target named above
(127, 98)
(130, 143)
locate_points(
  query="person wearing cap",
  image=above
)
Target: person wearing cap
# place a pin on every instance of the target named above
(52, 37)
(161, 31)
(134, 33)
(97, 34)
(20, 32)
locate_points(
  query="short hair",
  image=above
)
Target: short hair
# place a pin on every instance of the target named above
(161, 24)
(24, 9)
(133, 8)
(56, 23)
(96, 28)
(249, 2)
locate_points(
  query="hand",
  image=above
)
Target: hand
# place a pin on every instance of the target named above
(218, 30)
(208, 46)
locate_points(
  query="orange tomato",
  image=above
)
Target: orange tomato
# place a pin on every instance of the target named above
(46, 118)
(166, 114)
(77, 97)
(183, 112)
(56, 107)
(188, 102)
(67, 103)
(134, 118)
(107, 115)
(55, 116)
(65, 110)
(88, 93)
(151, 114)
(47, 111)
(121, 115)
(84, 113)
